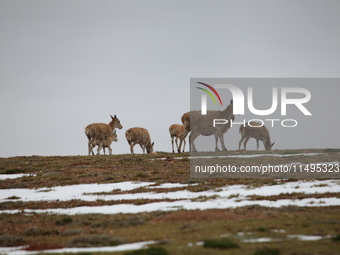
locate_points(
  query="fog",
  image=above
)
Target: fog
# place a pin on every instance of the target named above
(66, 64)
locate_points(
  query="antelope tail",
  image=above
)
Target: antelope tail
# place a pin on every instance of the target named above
(187, 129)
(241, 130)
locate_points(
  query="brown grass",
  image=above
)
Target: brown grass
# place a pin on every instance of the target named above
(173, 230)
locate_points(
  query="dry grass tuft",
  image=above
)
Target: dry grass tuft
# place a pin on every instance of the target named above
(10, 240)
(95, 241)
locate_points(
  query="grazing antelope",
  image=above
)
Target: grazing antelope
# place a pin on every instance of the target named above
(176, 131)
(139, 136)
(255, 130)
(105, 143)
(200, 124)
(101, 131)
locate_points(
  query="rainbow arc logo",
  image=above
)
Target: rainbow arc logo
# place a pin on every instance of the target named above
(209, 93)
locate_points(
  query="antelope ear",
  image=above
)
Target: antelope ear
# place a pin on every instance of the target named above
(111, 116)
(272, 144)
(152, 143)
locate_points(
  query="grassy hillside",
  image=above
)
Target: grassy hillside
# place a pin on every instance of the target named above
(243, 230)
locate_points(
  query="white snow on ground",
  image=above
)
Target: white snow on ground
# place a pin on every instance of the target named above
(308, 238)
(12, 176)
(123, 247)
(249, 239)
(185, 204)
(92, 192)
(65, 193)
(171, 185)
(298, 237)
(249, 156)
(225, 197)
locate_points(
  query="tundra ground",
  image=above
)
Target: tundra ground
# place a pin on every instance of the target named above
(252, 229)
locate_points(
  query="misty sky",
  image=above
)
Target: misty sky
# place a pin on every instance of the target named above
(65, 64)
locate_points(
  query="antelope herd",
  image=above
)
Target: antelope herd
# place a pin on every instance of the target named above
(102, 135)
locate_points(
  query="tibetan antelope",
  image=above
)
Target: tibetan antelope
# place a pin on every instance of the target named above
(105, 143)
(101, 131)
(199, 124)
(139, 136)
(255, 130)
(176, 131)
